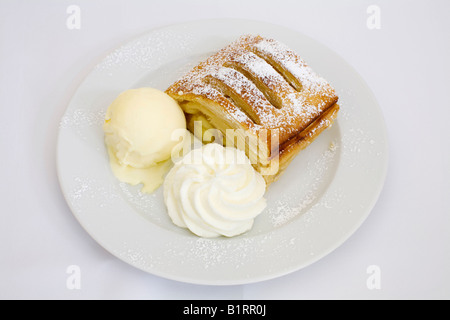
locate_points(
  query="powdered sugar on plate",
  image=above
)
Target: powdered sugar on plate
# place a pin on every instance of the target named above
(317, 174)
(146, 52)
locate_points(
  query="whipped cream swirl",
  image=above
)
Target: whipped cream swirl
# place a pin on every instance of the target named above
(214, 191)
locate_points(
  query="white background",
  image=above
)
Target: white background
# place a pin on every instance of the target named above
(405, 63)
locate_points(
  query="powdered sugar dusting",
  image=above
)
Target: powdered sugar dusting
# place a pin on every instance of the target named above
(79, 120)
(145, 52)
(143, 203)
(295, 65)
(81, 117)
(318, 171)
(85, 190)
(290, 112)
(213, 252)
(263, 70)
(262, 109)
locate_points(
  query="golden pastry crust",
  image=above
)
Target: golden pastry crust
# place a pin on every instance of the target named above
(265, 89)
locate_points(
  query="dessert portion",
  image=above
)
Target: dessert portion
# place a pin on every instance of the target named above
(261, 97)
(214, 191)
(256, 100)
(138, 129)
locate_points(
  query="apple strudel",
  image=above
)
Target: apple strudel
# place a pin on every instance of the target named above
(259, 96)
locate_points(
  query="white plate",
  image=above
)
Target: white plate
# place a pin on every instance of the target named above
(322, 198)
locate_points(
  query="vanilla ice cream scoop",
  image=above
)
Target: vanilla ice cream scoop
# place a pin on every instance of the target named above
(139, 126)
